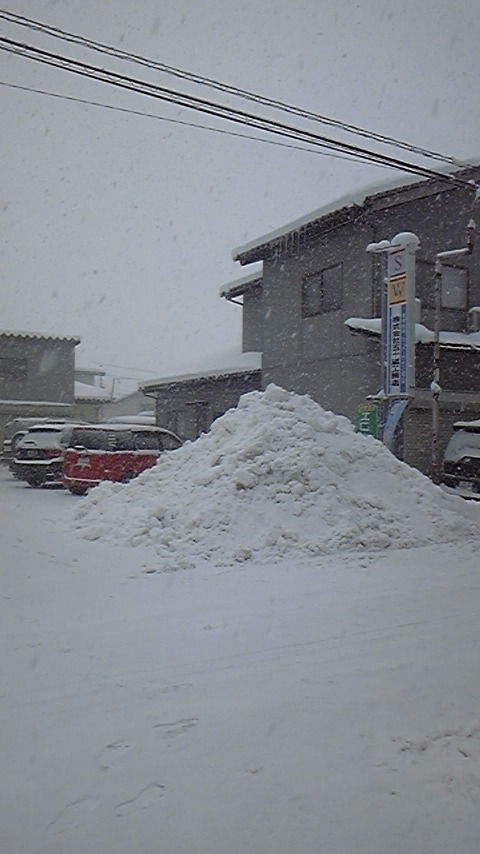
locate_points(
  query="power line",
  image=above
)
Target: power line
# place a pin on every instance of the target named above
(56, 32)
(169, 120)
(218, 110)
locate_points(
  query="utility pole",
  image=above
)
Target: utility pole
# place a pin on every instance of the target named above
(435, 387)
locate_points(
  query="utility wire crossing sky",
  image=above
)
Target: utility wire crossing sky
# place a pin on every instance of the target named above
(214, 109)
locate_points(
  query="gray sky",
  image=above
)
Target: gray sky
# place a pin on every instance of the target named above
(120, 228)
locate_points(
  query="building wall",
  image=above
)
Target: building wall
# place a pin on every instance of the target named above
(318, 354)
(252, 326)
(87, 410)
(440, 221)
(188, 408)
(36, 377)
(36, 369)
(129, 404)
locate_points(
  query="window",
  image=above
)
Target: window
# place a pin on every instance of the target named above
(94, 440)
(322, 292)
(170, 443)
(146, 441)
(454, 287)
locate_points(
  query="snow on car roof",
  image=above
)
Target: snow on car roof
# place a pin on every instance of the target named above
(467, 425)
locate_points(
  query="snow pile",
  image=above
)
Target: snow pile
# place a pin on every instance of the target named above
(277, 477)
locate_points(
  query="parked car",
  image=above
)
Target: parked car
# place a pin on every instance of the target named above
(16, 430)
(38, 456)
(461, 464)
(115, 452)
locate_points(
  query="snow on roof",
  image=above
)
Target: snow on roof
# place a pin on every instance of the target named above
(7, 333)
(423, 335)
(94, 372)
(238, 363)
(469, 425)
(338, 204)
(145, 417)
(350, 200)
(238, 286)
(84, 391)
(38, 403)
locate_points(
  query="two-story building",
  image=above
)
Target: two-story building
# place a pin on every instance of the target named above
(314, 305)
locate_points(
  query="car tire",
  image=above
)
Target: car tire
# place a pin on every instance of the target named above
(127, 476)
(78, 490)
(35, 482)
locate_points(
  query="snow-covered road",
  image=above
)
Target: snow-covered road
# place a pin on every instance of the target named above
(330, 705)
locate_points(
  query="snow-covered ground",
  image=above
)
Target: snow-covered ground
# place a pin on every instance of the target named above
(306, 680)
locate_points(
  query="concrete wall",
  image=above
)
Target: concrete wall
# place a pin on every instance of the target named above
(252, 324)
(36, 378)
(318, 354)
(129, 404)
(37, 369)
(188, 408)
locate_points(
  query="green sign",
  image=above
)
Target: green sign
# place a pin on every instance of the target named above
(367, 419)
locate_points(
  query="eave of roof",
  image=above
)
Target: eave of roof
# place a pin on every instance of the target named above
(372, 327)
(376, 196)
(6, 333)
(256, 249)
(189, 379)
(241, 285)
(91, 394)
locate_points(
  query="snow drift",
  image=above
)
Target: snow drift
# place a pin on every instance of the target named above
(277, 477)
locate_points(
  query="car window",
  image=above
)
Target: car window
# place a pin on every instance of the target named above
(170, 442)
(41, 439)
(463, 443)
(120, 440)
(94, 440)
(146, 440)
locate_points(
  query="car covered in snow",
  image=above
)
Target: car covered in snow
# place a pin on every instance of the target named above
(461, 463)
(114, 452)
(38, 455)
(16, 430)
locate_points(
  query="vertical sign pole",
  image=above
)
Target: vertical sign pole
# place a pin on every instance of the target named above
(401, 316)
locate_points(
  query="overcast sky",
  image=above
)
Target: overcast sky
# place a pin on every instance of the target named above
(119, 227)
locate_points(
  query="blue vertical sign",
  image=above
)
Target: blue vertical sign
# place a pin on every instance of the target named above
(400, 368)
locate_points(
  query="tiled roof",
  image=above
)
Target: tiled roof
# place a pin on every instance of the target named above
(8, 333)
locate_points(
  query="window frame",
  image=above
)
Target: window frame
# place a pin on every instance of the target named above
(322, 301)
(427, 294)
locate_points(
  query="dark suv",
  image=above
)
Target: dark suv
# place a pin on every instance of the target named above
(461, 463)
(39, 454)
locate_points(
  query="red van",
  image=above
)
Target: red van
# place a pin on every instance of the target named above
(116, 452)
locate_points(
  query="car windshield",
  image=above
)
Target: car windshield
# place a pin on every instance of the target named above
(464, 443)
(42, 439)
